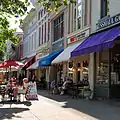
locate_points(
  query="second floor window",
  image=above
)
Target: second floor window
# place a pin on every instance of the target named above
(39, 15)
(45, 33)
(59, 27)
(39, 35)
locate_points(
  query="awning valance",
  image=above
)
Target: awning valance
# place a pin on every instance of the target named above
(65, 55)
(46, 61)
(97, 42)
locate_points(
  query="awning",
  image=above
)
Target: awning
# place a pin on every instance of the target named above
(28, 62)
(65, 55)
(97, 42)
(34, 65)
(48, 59)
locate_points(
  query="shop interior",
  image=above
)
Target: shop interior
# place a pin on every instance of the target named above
(81, 70)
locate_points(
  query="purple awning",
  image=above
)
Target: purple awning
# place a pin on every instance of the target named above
(97, 42)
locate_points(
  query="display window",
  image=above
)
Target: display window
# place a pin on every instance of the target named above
(102, 67)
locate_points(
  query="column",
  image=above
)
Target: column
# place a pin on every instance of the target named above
(91, 73)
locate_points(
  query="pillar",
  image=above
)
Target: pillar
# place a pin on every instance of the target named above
(91, 73)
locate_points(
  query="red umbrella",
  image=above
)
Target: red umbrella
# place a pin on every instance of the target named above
(2, 65)
(10, 63)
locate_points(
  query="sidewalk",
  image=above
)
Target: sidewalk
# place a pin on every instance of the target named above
(101, 110)
(56, 107)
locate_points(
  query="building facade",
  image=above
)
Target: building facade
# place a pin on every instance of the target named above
(105, 21)
(77, 24)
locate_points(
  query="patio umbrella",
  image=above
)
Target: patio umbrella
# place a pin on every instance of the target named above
(11, 63)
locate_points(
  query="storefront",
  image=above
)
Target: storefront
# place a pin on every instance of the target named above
(57, 68)
(42, 52)
(40, 72)
(104, 48)
(72, 67)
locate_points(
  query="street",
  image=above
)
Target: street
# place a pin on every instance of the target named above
(59, 108)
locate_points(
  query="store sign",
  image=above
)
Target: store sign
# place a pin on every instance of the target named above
(79, 36)
(108, 21)
(42, 51)
(57, 45)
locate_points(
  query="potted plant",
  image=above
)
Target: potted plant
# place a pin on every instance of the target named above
(87, 92)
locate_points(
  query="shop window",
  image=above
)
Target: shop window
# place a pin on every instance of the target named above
(102, 67)
(85, 68)
(115, 65)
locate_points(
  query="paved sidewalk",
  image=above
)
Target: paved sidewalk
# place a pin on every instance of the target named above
(99, 110)
(55, 107)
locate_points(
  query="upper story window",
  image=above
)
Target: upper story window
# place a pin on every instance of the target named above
(77, 15)
(104, 8)
(59, 27)
(39, 35)
(39, 15)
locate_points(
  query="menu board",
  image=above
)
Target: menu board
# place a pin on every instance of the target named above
(31, 93)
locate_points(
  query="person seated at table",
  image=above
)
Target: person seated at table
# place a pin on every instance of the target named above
(3, 92)
(12, 90)
(64, 86)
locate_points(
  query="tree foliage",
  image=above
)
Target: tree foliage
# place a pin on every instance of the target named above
(54, 4)
(9, 8)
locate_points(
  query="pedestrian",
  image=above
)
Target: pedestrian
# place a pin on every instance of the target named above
(52, 86)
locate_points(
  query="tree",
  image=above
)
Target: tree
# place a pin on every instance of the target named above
(9, 8)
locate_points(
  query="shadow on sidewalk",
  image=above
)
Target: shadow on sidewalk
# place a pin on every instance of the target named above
(9, 113)
(27, 103)
(96, 109)
(57, 98)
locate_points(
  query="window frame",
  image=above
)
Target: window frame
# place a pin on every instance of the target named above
(58, 28)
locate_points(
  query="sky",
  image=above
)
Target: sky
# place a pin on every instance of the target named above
(13, 19)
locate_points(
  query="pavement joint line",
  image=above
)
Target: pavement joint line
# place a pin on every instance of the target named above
(34, 115)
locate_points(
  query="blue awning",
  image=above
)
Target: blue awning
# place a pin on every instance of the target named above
(48, 59)
(97, 42)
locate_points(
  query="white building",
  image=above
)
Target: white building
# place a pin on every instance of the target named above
(30, 34)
